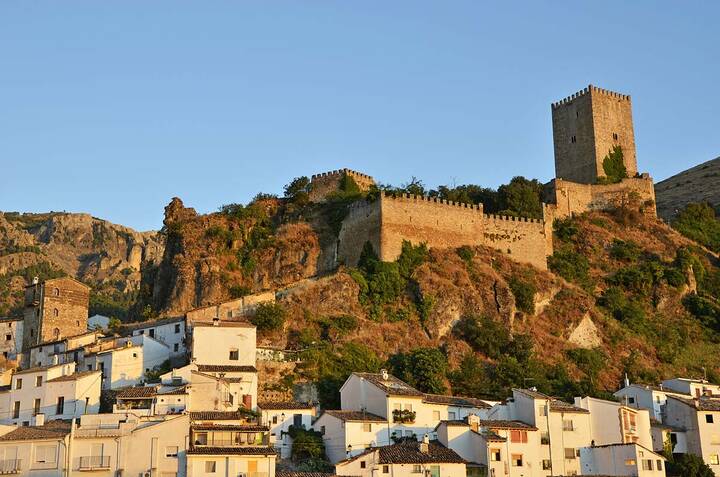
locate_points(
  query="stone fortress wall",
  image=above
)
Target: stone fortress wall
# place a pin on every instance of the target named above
(321, 185)
(586, 126)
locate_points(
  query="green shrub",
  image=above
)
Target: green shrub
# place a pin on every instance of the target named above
(466, 253)
(565, 229)
(614, 166)
(422, 368)
(269, 317)
(627, 251)
(706, 311)
(591, 361)
(570, 265)
(411, 257)
(308, 444)
(524, 293)
(239, 291)
(298, 191)
(699, 222)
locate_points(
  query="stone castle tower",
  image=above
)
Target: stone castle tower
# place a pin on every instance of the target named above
(586, 127)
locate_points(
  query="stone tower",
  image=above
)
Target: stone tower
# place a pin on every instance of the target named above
(54, 309)
(588, 125)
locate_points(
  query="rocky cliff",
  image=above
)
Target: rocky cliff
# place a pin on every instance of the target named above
(697, 184)
(107, 256)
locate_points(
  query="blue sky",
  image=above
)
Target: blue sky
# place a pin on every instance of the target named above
(113, 108)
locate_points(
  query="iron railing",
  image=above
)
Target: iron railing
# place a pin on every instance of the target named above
(10, 466)
(92, 462)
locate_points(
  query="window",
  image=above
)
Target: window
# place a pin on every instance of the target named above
(714, 460)
(77, 322)
(275, 419)
(60, 408)
(451, 415)
(176, 347)
(630, 462)
(417, 469)
(38, 381)
(56, 312)
(709, 418)
(547, 464)
(46, 454)
(408, 407)
(18, 383)
(32, 332)
(517, 436)
(615, 136)
(631, 400)
(657, 399)
(171, 451)
(16, 409)
(570, 453)
(322, 430)
(545, 438)
(542, 410)
(386, 469)
(201, 439)
(56, 292)
(573, 139)
(409, 433)
(658, 464)
(177, 328)
(568, 425)
(36, 407)
(367, 427)
(516, 460)
(647, 464)
(210, 466)
(234, 354)
(56, 333)
(495, 455)
(141, 332)
(362, 464)
(152, 332)
(8, 337)
(436, 415)
(397, 407)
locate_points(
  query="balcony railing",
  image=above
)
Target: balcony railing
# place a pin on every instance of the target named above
(10, 466)
(93, 462)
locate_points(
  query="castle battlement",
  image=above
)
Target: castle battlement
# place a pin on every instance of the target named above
(512, 218)
(590, 88)
(434, 200)
(341, 172)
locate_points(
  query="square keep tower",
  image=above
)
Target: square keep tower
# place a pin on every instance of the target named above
(586, 127)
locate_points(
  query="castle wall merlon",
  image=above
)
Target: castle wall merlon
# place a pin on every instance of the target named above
(433, 200)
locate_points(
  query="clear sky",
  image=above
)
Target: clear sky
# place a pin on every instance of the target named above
(114, 107)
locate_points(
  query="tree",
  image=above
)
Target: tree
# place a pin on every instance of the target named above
(114, 325)
(423, 368)
(688, 465)
(614, 166)
(521, 197)
(269, 317)
(471, 378)
(699, 222)
(298, 190)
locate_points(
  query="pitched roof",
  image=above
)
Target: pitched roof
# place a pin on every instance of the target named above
(203, 450)
(230, 427)
(50, 430)
(223, 324)
(225, 368)
(701, 404)
(556, 405)
(492, 436)
(359, 416)
(37, 368)
(74, 376)
(217, 416)
(392, 385)
(280, 405)
(503, 424)
(286, 473)
(138, 325)
(459, 401)
(409, 453)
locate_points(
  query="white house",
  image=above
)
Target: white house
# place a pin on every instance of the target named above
(407, 411)
(170, 331)
(66, 350)
(35, 451)
(614, 423)
(279, 416)
(407, 459)
(228, 444)
(49, 393)
(227, 350)
(693, 387)
(643, 396)
(700, 420)
(11, 337)
(628, 459)
(348, 433)
(124, 361)
(497, 447)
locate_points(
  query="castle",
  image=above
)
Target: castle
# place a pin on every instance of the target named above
(587, 127)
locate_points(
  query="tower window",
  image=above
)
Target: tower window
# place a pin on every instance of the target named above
(56, 292)
(615, 136)
(573, 139)
(577, 114)
(56, 312)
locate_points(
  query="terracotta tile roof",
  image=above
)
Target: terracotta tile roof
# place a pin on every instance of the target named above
(285, 473)
(410, 453)
(176, 391)
(392, 386)
(225, 368)
(492, 436)
(202, 450)
(74, 376)
(36, 369)
(503, 424)
(454, 423)
(217, 416)
(51, 430)
(137, 392)
(224, 324)
(230, 427)
(355, 416)
(556, 405)
(137, 325)
(459, 401)
(701, 404)
(279, 405)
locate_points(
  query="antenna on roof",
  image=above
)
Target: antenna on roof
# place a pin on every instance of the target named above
(626, 381)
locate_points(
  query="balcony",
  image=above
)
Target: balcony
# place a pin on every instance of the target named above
(10, 466)
(404, 416)
(94, 462)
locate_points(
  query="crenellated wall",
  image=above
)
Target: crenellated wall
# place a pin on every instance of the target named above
(323, 184)
(389, 220)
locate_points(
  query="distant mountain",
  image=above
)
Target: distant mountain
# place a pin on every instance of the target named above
(106, 256)
(697, 184)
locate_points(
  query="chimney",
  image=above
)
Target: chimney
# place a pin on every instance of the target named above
(627, 381)
(216, 321)
(425, 444)
(55, 359)
(474, 422)
(40, 419)
(385, 374)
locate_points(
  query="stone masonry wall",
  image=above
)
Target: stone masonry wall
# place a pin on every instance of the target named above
(328, 182)
(230, 309)
(62, 310)
(568, 198)
(361, 225)
(524, 240)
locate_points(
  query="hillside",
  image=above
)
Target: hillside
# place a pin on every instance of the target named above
(697, 184)
(106, 256)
